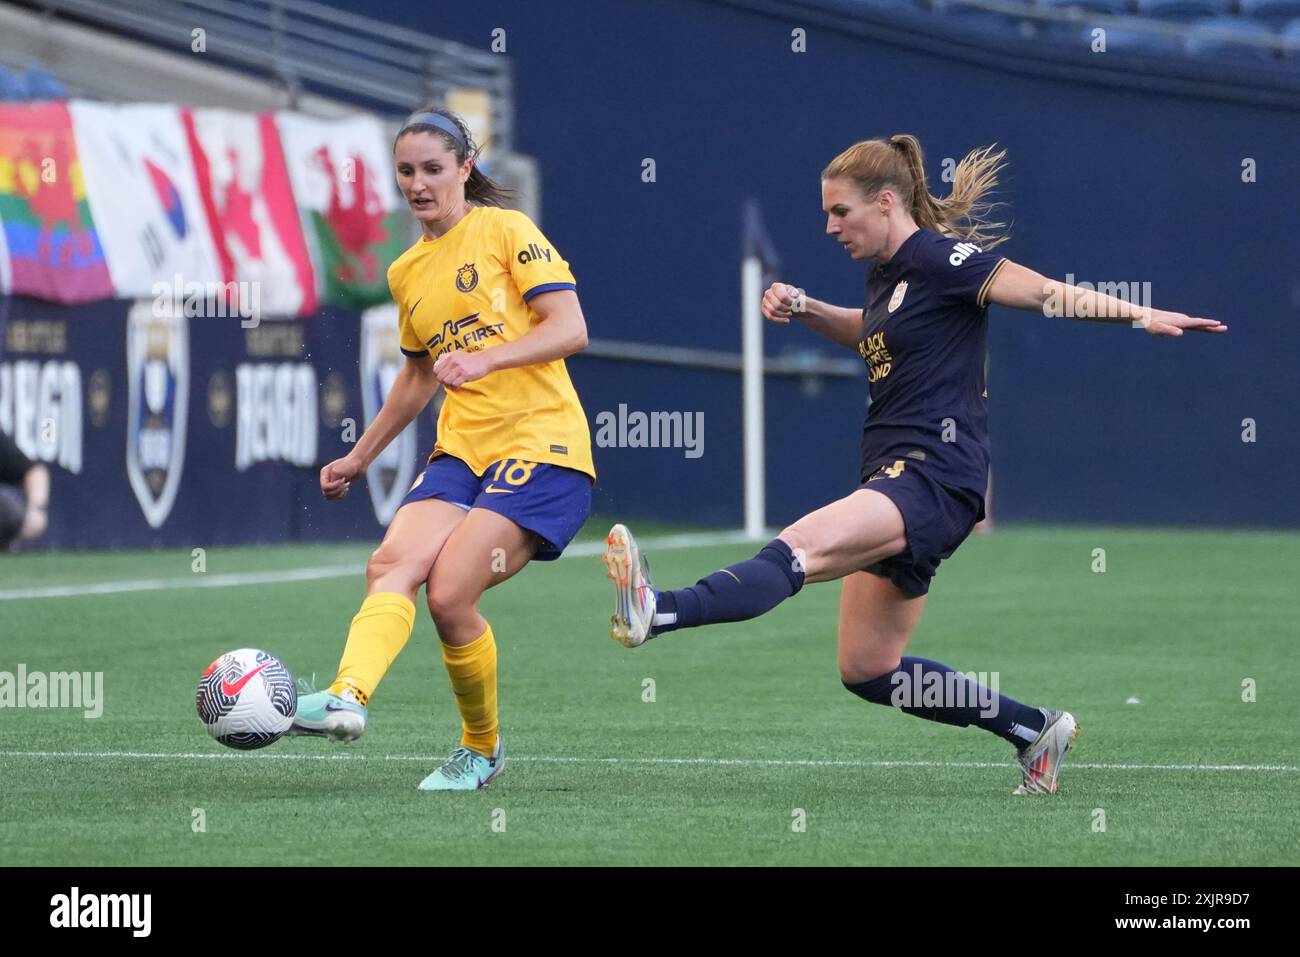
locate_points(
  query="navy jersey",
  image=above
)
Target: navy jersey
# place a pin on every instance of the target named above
(925, 330)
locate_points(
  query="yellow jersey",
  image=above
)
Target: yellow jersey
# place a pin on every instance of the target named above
(469, 289)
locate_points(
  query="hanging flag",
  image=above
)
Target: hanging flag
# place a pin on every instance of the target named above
(54, 252)
(342, 175)
(145, 200)
(248, 199)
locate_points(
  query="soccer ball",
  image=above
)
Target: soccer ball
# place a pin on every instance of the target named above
(247, 699)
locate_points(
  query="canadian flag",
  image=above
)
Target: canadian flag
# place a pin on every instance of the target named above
(239, 165)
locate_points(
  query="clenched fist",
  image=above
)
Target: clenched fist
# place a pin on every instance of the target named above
(454, 369)
(336, 477)
(781, 301)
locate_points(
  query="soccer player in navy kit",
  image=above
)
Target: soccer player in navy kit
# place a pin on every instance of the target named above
(925, 460)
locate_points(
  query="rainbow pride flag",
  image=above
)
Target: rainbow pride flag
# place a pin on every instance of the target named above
(49, 234)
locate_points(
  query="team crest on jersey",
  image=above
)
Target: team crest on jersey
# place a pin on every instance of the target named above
(381, 358)
(158, 393)
(466, 278)
(896, 299)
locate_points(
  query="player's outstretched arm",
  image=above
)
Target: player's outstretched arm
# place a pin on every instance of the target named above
(412, 389)
(837, 323)
(1022, 288)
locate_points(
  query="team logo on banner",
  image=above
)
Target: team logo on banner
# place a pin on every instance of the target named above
(381, 358)
(158, 384)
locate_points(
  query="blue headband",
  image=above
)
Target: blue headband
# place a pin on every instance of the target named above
(438, 121)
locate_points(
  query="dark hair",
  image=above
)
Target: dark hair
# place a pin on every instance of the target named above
(479, 188)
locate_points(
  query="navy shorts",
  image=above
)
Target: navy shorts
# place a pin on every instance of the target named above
(937, 518)
(550, 500)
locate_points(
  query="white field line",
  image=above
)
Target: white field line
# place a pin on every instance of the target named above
(274, 577)
(734, 762)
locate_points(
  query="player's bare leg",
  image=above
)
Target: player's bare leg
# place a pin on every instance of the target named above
(877, 620)
(846, 535)
(485, 550)
(380, 630)
(414, 539)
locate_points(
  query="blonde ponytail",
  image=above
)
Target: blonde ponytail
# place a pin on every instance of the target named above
(899, 162)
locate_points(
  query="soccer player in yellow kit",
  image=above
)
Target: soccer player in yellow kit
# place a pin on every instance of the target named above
(488, 309)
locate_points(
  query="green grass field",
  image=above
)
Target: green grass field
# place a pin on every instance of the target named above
(749, 721)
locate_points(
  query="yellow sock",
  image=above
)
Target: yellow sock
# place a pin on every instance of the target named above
(473, 671)
(378, 634)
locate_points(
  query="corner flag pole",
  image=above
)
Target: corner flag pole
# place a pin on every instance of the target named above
(758, 257)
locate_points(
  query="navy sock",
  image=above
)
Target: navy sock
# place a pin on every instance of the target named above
(932, 690)
(736, 593)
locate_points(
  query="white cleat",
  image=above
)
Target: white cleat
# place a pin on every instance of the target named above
(634, 597)
(1041, 761)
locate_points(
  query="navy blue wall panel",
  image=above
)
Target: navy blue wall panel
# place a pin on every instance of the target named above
(1089, 423)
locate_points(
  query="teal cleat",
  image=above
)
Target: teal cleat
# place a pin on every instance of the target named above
(466, 770)
(326, 715)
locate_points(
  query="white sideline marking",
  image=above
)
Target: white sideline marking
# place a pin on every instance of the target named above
(742, 762)
(197, 581)
(273, 577)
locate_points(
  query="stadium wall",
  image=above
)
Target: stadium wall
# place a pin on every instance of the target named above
(199, 431)
(1106, 183)
(1090, 424)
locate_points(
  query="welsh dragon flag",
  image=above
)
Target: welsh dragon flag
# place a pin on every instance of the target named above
(342, 175)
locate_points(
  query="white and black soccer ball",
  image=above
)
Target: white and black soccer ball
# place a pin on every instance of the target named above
(247, 699)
